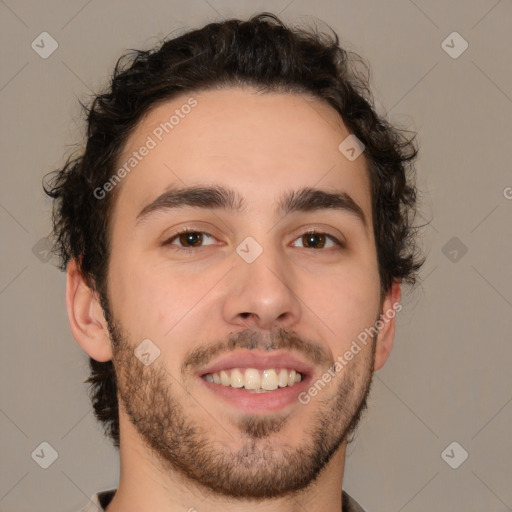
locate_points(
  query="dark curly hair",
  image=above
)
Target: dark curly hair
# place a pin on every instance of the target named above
(262, 52)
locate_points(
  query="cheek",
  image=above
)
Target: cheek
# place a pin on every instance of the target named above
(142, 297)
(347, 302)
(156, 302)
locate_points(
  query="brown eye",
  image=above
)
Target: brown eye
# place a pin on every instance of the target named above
(317, 240)
(189, 239)
(192, 238)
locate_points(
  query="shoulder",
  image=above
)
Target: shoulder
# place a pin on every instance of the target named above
(100, 501)
(349, 504)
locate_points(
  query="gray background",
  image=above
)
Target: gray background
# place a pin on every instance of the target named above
(449, 376)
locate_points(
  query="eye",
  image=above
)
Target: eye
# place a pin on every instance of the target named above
(318, 240)
(189, 239)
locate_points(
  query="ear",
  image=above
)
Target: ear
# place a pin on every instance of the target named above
(390, 306)
(85, 316)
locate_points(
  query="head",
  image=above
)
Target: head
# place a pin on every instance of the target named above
(234, 133)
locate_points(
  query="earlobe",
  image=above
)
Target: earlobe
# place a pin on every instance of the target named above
(390, 307)
(85, 316)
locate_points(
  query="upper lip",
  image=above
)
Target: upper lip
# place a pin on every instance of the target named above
(257, 360)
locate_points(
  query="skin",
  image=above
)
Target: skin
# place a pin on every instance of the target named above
(198, 299)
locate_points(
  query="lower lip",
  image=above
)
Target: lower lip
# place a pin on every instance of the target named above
(258, 402)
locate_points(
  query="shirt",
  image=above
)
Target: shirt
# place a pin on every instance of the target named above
(100, 501)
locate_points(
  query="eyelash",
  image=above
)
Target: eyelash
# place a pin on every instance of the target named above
(191, 249)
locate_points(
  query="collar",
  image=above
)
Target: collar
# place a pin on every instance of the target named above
(102, 499)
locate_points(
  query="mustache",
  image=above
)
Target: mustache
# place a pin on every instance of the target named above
(280, 339)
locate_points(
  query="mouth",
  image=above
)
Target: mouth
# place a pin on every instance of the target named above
(254, 380)
(257, 382)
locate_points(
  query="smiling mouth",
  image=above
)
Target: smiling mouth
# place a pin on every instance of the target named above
(255, 381)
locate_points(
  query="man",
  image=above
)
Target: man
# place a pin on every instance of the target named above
(235, 236)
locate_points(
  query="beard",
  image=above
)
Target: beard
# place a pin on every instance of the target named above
(259, 467)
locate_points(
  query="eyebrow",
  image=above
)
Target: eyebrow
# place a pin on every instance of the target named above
(306, 199)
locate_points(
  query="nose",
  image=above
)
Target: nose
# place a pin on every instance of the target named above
(261, 294)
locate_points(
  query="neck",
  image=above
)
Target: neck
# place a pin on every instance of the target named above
(144, 486)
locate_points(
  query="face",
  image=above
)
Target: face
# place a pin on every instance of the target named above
(274, 278)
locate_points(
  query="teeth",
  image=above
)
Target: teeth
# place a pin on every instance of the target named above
(236, 379)
(224, 378)
(255, 380)
(252, 379)
(283, 378)
(269, 380)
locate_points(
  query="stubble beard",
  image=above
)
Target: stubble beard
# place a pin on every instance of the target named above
(258, 469)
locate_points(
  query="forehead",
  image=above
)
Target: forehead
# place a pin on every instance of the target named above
(258, 144)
